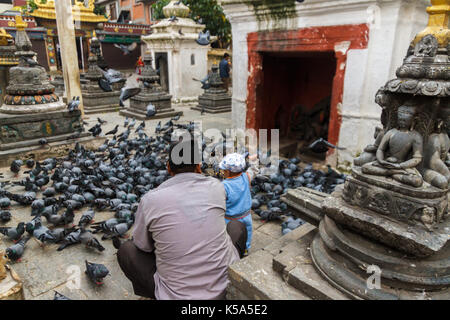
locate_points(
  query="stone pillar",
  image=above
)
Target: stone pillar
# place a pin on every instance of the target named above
(66, 36)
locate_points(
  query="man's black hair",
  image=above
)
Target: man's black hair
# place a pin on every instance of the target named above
(226, 55)
(185, 143)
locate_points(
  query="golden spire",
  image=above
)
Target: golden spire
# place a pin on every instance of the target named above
(20, 24)
(437, 22)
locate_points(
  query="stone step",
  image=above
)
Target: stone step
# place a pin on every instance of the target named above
(142, 116)
(254, 278)
(212, 110)
(295, 265)
(306, 204)
(102, 109)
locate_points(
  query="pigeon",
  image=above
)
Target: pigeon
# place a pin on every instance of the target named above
(204, 38)
(96, 272)
(74, 104)
(118, 230)
(86, 218)
(173, 19)
(59, 296)
(5, 216)
(43, 234)
(43, 141)
(70, 239)
(60, 220)
(127, 93)
(96, 130)
(105, 226)
(127, 49)
(101, 121)
(88, 239)
(322, 146)
(60, 233)
(30, 163)
(15, 166)
(14, 234)
(151, 110)
(5, 203)
(105, 85)
(15, 252)
(31, 62)
(114, 131)
(125, 124)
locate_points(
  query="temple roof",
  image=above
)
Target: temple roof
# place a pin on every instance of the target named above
(79, 10)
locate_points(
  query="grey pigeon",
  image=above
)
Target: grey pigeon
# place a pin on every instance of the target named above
(96, 272)
(88, 239)
(15, 252)
(14, 233)
(70, 239)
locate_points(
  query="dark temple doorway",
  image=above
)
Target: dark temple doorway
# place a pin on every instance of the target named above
(296, 96)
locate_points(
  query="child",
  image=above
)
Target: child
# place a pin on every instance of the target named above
(237, 187)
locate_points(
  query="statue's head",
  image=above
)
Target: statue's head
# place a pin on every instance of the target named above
(405, 115)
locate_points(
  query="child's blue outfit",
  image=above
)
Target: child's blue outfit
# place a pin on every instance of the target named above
(239, 203)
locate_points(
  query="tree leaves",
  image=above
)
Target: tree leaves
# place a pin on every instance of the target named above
(209, 12)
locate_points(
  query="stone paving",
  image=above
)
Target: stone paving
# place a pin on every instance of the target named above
(43, 269)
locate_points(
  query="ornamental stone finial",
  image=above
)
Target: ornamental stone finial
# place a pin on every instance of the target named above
(176, 8)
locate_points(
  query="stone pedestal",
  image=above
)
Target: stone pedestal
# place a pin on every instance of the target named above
(95, 99)
(215, 99)
(151, 93)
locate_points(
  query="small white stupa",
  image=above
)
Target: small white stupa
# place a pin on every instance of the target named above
(176, 54)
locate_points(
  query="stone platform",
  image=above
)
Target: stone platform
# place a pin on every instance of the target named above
(282, 270)
(96, 100)
(20, 134)
(341, 256)
(139, 103)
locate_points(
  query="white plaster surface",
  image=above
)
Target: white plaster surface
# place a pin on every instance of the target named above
(392, 25)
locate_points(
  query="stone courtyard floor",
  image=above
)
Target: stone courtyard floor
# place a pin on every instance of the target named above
(44, 270)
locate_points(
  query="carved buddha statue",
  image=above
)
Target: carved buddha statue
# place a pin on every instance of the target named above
(400, 151)
(436, 156)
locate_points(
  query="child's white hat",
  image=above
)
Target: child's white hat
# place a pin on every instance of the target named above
(233, 162)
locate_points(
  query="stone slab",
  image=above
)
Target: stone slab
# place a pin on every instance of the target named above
(294, 263)
(306, 279)
(276, 246)
(159, 115)
(210, 110)
(306, 204)
(254, 277)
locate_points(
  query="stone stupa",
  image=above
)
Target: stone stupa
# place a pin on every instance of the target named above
(151, 93)
(215, 99)
(31, 110)
(95, 99)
